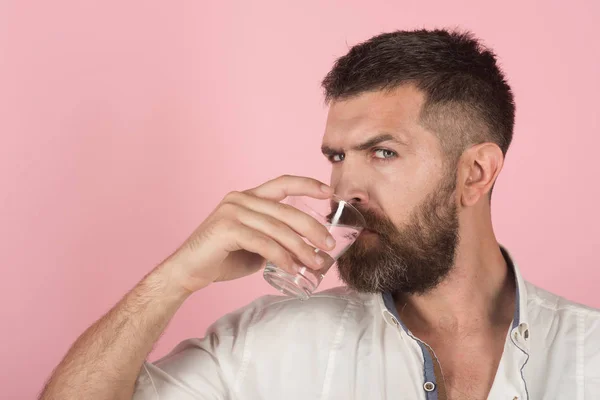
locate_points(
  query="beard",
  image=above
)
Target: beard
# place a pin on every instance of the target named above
(413, 259)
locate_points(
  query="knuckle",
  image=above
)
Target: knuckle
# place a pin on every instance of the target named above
(215, 228)
(319, 235)
(277, 226)
(301, 247)
(229, 209)
(232, 196)
(272, 248)
(261, 241)
(283, 208)
(285, 179)
(313, 227)
(324, 231)
(220, 227)
(310, 250)
(224, 225)
(298, 241)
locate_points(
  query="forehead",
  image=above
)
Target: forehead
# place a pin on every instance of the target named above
(360, 117)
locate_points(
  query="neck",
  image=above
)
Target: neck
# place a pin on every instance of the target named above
(478, 294)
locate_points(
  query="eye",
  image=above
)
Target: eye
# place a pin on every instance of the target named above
(384, 154)
(334, 158)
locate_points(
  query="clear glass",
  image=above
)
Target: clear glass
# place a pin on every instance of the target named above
(344, 223)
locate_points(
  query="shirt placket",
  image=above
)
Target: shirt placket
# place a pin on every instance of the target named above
(430, 381)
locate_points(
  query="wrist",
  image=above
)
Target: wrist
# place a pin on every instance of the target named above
(176, 281)
(166, 280)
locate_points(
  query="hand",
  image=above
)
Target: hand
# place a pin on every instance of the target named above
(248, 228)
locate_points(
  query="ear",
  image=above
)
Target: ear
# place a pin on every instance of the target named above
(479, 168)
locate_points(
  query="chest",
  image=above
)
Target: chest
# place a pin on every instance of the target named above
(468, 378)
(466, 370)
(388, 364)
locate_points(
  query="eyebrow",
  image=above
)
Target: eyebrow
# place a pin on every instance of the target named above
(374, 141)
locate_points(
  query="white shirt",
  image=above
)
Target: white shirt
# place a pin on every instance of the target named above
(344, 345)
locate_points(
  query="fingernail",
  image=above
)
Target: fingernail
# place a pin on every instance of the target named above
(319, 259)
(330, 242)
(327, 189)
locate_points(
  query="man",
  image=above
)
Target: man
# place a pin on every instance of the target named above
(418, 128)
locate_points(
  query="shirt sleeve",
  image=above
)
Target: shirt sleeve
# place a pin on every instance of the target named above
(590, 354)
(203, 369)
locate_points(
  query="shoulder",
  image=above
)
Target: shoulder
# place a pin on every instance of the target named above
(329, 301)
(261, 332)
(321, 309)
(542, 301)
(561, 320)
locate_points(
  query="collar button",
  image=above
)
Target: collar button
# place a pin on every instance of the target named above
(429, 386)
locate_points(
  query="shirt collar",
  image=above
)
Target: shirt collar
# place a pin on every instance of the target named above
(520, 325)
(520, 315)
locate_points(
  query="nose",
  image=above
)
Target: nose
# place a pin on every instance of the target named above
(352, 192)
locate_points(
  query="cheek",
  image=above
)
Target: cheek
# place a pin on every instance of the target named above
(392, 201)
(401, 191)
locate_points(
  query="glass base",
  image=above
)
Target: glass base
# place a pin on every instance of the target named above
(291, 285)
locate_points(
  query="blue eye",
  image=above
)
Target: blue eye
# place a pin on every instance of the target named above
(337, 157)
(384, 153)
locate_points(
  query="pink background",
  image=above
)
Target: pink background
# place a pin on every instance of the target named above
(124, 123)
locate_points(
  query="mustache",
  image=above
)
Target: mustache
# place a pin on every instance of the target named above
(373, 221)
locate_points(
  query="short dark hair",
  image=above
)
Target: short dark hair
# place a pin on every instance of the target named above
(467, 99)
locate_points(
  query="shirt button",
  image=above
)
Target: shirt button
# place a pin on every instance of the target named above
(429, 386)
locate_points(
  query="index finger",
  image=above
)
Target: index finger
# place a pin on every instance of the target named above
(288, 185)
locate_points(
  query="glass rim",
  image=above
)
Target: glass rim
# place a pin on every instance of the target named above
(346, 204)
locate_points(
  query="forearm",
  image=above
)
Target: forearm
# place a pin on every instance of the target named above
(106, 359)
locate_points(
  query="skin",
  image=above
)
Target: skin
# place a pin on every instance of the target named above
(250, 226)
(476, 300)
(245, 229)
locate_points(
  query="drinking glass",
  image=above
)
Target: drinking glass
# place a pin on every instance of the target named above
(344, 223)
